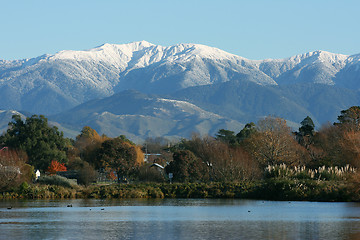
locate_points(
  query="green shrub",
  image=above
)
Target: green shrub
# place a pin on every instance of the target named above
(309, 190)
(268, 189)
(58, 181)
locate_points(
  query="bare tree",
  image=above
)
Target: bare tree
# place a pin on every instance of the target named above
(350, 148)
(12, 167)
(273, 143)
(225, 162)
(329, 140)
(230, 163)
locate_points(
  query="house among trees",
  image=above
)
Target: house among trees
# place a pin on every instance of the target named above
(37, 175)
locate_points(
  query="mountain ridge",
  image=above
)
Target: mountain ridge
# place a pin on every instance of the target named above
(238, 89)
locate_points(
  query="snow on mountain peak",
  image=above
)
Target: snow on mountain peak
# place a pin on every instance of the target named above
(319, 56)
(186, 51)
(133, 47)
(182, 65)
(114, 54)
(329, 57)
(119, 54)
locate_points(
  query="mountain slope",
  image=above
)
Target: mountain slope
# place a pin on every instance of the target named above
(313, 67)
(138, 116)
(206, 109)
(6, 117)
(245, 101)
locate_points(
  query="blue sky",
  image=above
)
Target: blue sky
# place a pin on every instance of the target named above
(255, 29)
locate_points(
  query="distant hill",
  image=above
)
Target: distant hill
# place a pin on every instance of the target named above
(139, 116)
(5, 118)
(246, 101)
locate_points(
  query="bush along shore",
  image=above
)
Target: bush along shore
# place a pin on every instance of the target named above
(268, 189)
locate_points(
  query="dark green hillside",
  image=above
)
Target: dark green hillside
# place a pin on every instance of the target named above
(245, 101)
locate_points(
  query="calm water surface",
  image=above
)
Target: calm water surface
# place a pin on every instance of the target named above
(178, 219)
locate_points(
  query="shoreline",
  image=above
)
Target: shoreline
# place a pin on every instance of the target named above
(270, 189)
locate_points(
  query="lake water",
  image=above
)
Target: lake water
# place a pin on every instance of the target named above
(178, 219)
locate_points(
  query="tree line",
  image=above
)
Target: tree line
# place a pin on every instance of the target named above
(226, 157)
(245, 156)
(37, 145)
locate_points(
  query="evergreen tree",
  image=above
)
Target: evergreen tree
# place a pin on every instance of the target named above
(226, 136)
(307, 127)
(306, 132)
(246, 132)
(350, 118)
(186, 167)
(41, 142)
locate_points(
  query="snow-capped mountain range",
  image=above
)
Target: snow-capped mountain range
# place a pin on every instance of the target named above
(50, 84)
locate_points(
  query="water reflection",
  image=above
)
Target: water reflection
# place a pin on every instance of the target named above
(178, 219)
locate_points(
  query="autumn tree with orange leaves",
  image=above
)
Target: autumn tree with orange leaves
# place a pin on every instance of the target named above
(120, 155)
(55, 167)
(86, 145)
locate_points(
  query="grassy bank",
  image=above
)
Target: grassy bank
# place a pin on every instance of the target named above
(271, 189)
